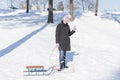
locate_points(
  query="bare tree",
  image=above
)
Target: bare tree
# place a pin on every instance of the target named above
(88, 5)
(35, 4)
(96, 9)
(91, 5)
(83, 4)
(22, 5)
(44, 3)
(60, 6)
(50, 9)
(78, 4)
(27, 9)
(11, 4)
(71, 9)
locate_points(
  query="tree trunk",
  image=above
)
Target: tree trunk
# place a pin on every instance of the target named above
(88, 5)
(83, 5)
(50, 15)
(71, 10)
(96, 9)
(27, 9)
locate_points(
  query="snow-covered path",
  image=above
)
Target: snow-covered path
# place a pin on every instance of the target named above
(95, 51)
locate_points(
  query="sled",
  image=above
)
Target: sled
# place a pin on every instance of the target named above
(38, 71)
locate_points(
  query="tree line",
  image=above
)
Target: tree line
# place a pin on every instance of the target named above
(71, 5)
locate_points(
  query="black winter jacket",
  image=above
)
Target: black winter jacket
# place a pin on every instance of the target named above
(62, 36)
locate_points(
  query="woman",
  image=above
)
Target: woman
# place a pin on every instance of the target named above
(63, 40)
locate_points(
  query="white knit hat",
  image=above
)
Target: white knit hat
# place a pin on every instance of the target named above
(67, 17)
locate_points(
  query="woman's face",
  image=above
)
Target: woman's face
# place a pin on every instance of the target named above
(65, 21)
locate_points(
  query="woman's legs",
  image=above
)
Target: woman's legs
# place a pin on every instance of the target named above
(62, 59)
(65, 60)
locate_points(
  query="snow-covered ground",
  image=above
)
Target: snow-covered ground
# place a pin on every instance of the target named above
(114, 15)
(26, 39)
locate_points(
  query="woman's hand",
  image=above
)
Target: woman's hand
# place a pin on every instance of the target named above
(57, 44)
(74, 28)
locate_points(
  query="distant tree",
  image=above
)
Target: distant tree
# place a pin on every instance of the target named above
(35, 4)
(86, 4)
(11, 3)
(60, 6)
(83, 5)
(79, 4)
(22, 5)
(44, 4)
(50, 10)
(91, 5)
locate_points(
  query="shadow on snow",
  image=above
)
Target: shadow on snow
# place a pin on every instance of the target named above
(21, 41)
(115, 76)
(70, 56)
